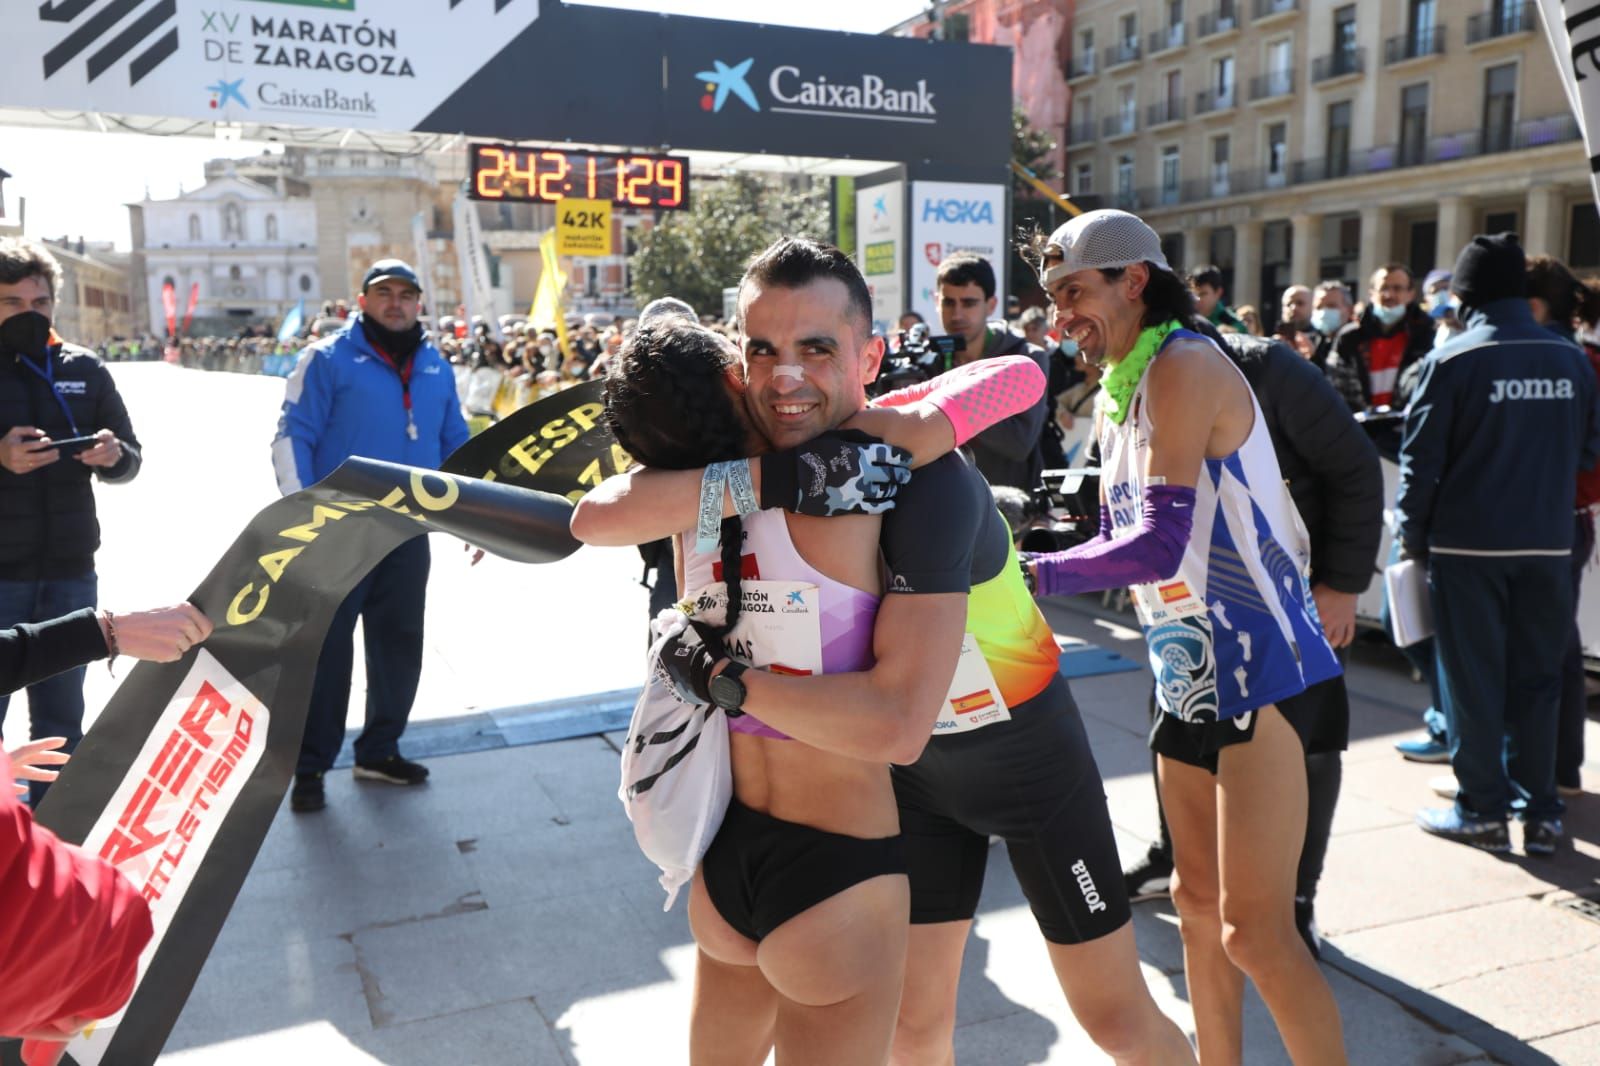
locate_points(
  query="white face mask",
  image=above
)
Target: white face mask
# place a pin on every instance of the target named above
(1389, 315)
(1327, 320)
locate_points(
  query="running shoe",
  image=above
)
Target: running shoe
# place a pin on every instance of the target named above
(1424, 748)
(1444, 786)
(395, 770)
(1540, 835)
(1305, 920)
(1447, 822)
(1150, 877)
(307, 794)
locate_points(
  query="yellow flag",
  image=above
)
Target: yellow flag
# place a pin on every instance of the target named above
(546, 311)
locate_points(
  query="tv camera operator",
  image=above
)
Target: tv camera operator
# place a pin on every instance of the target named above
(1008, 452)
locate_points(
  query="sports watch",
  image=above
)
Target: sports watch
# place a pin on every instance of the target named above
(727, 691)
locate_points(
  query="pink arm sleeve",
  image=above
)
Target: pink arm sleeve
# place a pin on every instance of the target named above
(976, 396)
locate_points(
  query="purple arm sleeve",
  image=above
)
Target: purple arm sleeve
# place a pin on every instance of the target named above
(1150, 554)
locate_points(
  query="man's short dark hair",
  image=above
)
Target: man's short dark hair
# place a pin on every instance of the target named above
(22, 259)
(795, 262)
(964, 268)
(1411, 278)
(1206, 274)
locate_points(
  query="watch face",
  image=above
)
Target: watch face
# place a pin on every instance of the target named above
(727, 692)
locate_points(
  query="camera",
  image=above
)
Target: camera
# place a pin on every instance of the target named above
(1071, 500)
(921, 356)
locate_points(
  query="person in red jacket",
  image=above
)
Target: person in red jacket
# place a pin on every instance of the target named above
(71, 926)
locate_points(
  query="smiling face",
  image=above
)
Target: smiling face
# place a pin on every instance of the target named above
(813, 328)
(1104, 316)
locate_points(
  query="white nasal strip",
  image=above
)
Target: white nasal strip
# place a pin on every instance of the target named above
(974, 700)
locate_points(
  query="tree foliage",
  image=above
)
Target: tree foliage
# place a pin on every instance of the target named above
(695, 254)
(1032, 148)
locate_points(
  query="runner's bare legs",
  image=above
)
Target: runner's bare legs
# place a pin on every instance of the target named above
(1236, 842)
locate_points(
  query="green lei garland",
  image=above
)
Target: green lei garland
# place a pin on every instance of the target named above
(1120, 381)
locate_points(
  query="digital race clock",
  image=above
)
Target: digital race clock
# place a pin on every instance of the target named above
(508, 173)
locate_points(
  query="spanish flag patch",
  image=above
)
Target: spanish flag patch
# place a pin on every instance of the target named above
(973, 702)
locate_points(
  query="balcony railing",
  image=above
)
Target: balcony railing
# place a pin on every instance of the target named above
(1164, 111)
(1268, 8)
(1168, 38)
(1271, 85)
(1504, 21)
(1214, 100)
(1414, 45)
(1534, 133)
(1120, 125)
(1341, 64)
(1081, 66)
(1225, 19)
(1122, 52)
(1080, 132)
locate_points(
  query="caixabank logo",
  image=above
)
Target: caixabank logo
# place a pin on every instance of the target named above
(792, 90)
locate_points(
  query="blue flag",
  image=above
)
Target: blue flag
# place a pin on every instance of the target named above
(293, 321)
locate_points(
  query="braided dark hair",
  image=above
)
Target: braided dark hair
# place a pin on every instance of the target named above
(668, 406)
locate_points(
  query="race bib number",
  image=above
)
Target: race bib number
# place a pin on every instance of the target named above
(779, 627)
(974, 700)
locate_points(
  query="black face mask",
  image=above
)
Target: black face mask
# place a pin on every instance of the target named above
(26, 333)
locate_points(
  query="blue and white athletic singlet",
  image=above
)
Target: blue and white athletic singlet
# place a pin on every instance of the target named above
(1235, 628)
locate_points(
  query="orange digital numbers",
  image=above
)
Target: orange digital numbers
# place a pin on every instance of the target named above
(489, 183)
(505, 172)
(525, 176)
(628, 184)
(669, 175)
(550, 187)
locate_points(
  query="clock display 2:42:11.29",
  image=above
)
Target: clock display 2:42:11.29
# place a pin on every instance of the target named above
(512, 174)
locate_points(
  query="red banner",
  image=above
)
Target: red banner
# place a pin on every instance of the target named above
(169, 303)
(188, 314)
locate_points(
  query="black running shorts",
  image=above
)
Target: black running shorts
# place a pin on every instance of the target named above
(1320, 716)
(1033, 782)
(760, 871)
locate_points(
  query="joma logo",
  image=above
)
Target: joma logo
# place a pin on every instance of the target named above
(1530, 389)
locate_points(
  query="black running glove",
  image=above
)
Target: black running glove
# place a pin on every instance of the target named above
(689, 666)
(837, 473)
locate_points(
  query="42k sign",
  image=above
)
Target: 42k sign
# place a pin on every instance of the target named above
(583, 227)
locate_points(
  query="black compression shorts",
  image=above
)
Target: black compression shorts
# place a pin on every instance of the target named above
(1320, 716)
(1033, 782)
(760, 871)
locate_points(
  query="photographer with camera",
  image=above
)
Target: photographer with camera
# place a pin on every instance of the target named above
(1008, 452)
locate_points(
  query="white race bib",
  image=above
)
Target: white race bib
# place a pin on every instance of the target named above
(779, 627)
(974, 700)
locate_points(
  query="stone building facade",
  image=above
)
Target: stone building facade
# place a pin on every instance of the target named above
(1293, 140)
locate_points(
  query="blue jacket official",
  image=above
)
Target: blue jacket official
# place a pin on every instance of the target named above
(345, 399)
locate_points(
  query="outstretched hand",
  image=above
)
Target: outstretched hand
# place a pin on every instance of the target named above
(29, 762)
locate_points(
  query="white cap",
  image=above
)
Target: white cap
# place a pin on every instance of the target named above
(1102, 240)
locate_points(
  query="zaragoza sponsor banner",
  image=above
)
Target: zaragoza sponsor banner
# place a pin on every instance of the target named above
(184, 770)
